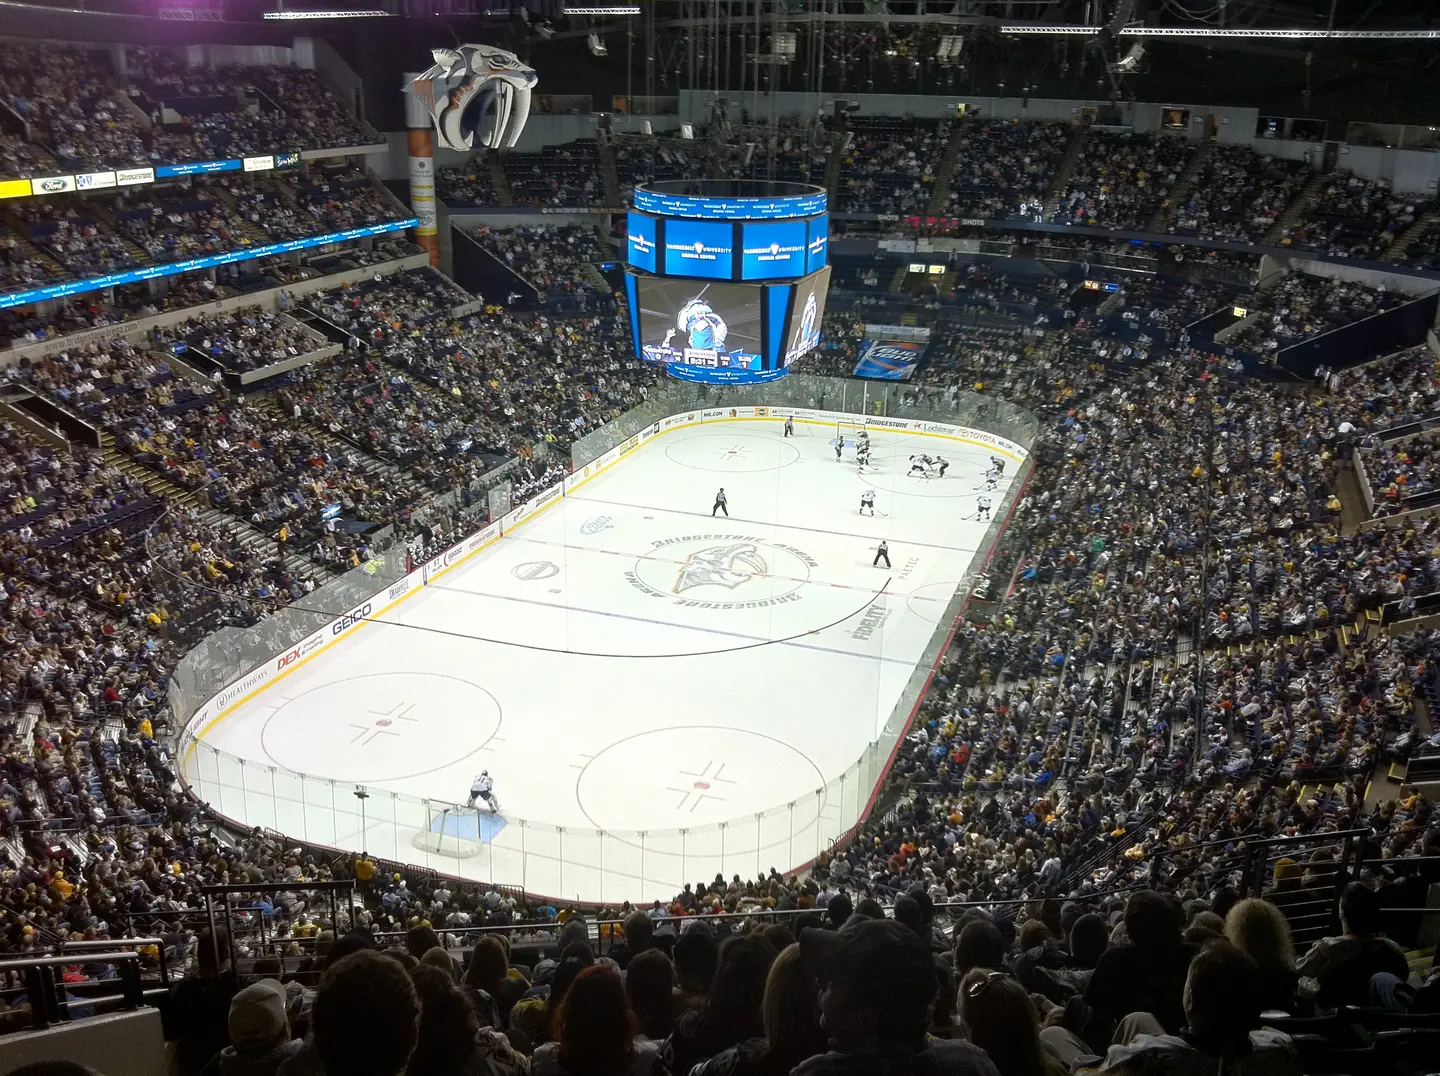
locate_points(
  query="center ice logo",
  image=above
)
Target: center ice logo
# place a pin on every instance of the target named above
(684, 571)
(721, 566)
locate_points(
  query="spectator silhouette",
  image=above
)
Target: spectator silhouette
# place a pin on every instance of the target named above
(791, 1016)
(1344, 966)
(996, 1014)
(878, 985)
(595, 1033)
(365, 1018)
(1259, 930)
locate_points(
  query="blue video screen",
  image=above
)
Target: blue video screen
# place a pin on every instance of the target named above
(701, 332)
(722, 208)
(700, 248)
(640, 246)
(818, 248)
(807, 313)
(772, 250)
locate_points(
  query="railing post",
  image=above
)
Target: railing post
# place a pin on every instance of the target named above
(130, 979)
(1341, 880)
(42, 999)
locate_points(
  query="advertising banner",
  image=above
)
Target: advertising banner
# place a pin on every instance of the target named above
(52, 185)
(130, 177)
(94, 181)
(197, 168)
(889, 360)
(132, 276)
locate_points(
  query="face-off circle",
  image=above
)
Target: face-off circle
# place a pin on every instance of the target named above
(700, 775)
(381, 727)
(739, 452)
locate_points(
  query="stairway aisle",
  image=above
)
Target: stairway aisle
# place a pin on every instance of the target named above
(945, 171)
(1184, 184)
(243, 533)
(498, 179)
(1426, 221)
(1061, 182)
(1303, 201)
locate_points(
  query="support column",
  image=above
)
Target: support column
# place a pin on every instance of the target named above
(419, 141)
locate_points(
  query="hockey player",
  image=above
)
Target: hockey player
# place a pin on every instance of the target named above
(839, 446)
(943, 464)
(862, 455)
(918, 464)
(991, 480)
(863, 441)
(720, 502)
(867, 500)
(997, 463)
(982, 506)
(483, 789)
(789, 426)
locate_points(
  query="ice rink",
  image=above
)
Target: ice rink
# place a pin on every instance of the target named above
(625, 664)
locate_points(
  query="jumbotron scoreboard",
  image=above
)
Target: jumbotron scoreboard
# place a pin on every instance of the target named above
(727, 278)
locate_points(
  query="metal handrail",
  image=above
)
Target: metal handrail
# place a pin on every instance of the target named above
(1301, 838)
(46, 994)
(115, 945)
(759, 913)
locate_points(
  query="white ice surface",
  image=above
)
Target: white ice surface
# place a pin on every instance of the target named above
(626, 664)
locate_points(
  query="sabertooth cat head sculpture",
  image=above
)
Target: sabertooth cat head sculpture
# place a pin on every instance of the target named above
(477, 95)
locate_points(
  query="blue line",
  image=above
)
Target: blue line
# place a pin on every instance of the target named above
(767, 523)
(669, 624)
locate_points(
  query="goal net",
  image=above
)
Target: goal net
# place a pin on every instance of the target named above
(452, 830)
(848, 431)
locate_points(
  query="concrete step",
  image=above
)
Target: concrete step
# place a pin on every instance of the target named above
(1406, 239)
(945, 169)
(1061, 182)
(498, 179)
(1302, 201)
(1184, 184)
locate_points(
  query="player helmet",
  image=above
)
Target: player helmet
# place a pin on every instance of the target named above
(705, 329)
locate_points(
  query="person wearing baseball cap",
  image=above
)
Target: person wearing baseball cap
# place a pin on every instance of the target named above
(259, 1033)
(877, 986)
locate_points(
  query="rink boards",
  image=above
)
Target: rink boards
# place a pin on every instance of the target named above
(592, 620)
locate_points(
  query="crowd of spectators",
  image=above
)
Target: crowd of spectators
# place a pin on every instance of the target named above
(786, 150)
(552, 259)
(890, 165)
(27, 325)
(454, 395)
(1003, 169)
(1068, 748)
(66, 237)
(241, 340)
(1121, 180)
(1354, 217)
(1300, 306)
(1006, 169)
(466, 185)
(556, 175)
(1238, 194)
(88, 116)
